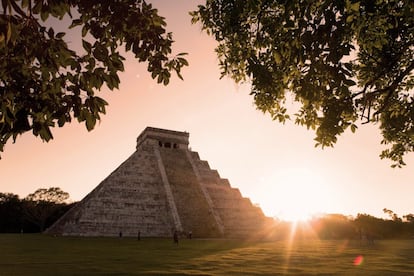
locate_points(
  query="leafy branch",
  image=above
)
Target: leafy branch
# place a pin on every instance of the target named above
(44, 83)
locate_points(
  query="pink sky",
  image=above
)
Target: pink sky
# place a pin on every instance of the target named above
(275, 165)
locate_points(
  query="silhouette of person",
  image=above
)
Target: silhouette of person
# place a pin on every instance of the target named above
(175, 237)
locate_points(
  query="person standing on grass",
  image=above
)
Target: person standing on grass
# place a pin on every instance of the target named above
(175, 237)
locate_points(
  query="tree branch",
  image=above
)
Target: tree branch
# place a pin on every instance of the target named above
(388, 89)
(392, 87)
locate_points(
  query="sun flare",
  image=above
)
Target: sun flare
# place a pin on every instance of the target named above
(296, 194)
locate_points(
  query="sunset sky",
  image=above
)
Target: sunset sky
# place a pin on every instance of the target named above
(276, 166)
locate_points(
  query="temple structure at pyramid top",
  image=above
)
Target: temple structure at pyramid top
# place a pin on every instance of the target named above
(161, 188)
(164, 138)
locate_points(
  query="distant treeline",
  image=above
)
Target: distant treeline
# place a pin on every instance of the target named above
(41, 209)
(34, 213)
(337, 226)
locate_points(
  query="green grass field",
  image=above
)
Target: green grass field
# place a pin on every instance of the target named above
(45, 255)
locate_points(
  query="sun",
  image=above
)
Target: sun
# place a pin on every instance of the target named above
(296, 194)
(295, 214)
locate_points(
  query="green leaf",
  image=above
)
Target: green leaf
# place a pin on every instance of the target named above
(84, 31)
(349, 82)
(37, 7)
(75, 22)
(45, 133)
(183, 61)
(9, 32)
(25, 3)
(44, 15)
(348, 66)
(355, 6)
(51, 33)
(61, 121)
(353, 128)
(180, 76)
(86, 45)
(60, 35)
(277, 57)
(90, 121)
(100, 52)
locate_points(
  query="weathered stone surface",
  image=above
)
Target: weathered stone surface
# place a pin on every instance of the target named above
(161, 188)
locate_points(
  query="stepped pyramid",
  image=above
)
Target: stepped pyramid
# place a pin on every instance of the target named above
(163, 187)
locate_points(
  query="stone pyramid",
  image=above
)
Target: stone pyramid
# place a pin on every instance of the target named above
(161, 188)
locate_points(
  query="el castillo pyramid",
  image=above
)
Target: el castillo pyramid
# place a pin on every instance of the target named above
(161, 188)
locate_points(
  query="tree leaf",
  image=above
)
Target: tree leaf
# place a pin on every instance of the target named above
(353, 128)
(9, 32)
(355, 6)
(86, 45)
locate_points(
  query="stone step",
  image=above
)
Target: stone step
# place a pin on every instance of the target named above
(192, 206)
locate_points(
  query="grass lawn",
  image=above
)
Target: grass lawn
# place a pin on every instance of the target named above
(45, 255)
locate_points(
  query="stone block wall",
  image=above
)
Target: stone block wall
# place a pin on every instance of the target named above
(131, 199)
(239, 216)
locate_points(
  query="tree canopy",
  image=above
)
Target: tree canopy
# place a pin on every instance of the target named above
(33, 213)
(344, 63)
(53, 195)
(44, 83)
(41, 205)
